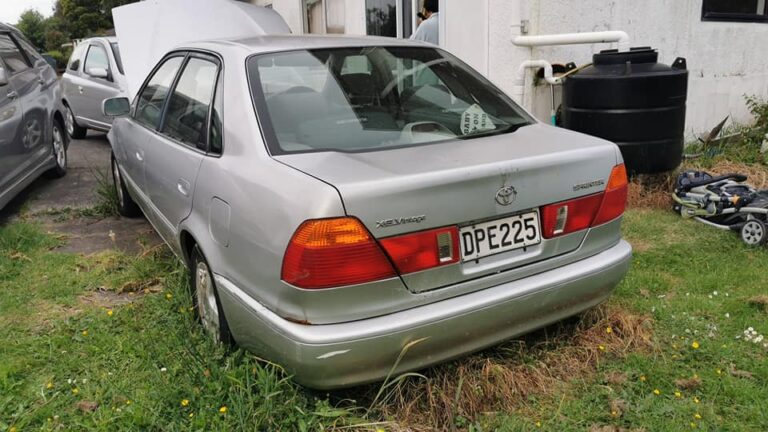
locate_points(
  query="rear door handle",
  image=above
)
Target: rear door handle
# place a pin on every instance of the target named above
(12, 94)
(183, 187)
(80, 89)
(139, 157)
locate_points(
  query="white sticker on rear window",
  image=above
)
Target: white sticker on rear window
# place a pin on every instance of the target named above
(475, 119)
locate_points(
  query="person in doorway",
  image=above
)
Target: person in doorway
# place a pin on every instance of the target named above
(429, 30)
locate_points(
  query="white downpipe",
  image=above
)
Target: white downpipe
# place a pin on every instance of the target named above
(622, 38)
(518, 91)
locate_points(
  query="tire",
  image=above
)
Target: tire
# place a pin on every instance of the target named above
(59, 149)
(126, 206)
(206, 301)
(754, 233)
(74, 130)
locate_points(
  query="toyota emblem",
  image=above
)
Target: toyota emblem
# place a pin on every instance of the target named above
(506, 195)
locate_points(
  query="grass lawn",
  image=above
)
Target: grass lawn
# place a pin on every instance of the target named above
(108, 342)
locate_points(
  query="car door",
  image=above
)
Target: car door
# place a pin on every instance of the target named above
(135, 133)
(25, 89)
(93, 90)
(174, 158)
(11, 120)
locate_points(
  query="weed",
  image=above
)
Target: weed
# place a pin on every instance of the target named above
(106, 195)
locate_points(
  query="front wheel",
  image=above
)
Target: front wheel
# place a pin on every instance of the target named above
(206, 300)
(59, 149)
(754, 233)
(73, 129)
(126, 206)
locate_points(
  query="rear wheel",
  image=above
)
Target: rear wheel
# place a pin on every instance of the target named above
(59, 149)
(206, 299)
(73, 129)
(126, 206)
(754, 233)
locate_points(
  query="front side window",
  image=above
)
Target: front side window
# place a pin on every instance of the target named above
(187, 117)
(11, 54)
(735, 10)
(96, 59)
(373, 98)
(150, 103)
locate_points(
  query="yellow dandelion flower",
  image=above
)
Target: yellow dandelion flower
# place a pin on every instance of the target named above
(693, 425)
(223, 410)
(614, 414)
(608, 330)
(697, 416)
(695, 345)
(678, 394)
(674, 346)
(85, 332)
(719, 372)
(191, 415)
(601, 347)
(696, 400)
(538, 424)
(109, 312)
(656, 392)
(75, 391)
(380, 430)
(128, 402)
(13, 429)
(642, 378)
(49, 385)
(169, 296)
(184, 402)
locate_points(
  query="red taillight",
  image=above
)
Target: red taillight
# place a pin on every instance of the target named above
(327, 253)
(423, 250)
(581, 213)
(569, 216)
(615, 201)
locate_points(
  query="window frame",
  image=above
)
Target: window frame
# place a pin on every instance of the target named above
(205, 56)
(13, 40)
(106, 55)
(734, 17)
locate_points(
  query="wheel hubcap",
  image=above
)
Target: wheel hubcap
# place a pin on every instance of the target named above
(118, 183)
(70, 122)
(206, 301)
(753, 232)
(58, 148)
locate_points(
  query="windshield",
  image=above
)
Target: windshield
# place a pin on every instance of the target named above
(118, 59)
(372, 98)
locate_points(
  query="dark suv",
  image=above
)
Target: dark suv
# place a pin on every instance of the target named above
(32, 138)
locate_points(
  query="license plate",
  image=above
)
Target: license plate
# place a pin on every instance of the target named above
(500, 235)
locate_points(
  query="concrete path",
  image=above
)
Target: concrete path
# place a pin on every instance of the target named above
(57, 204)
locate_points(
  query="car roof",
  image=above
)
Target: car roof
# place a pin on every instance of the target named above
(276, 43)
(109, 39)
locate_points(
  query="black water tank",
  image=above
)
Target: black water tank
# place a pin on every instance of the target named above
(632, 100)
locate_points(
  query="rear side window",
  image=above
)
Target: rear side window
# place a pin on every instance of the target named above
(11, 54)
(151, 100)
(74, 60)
(96, 58)
(190, 102)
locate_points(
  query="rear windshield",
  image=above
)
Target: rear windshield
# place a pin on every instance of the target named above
(372, 98)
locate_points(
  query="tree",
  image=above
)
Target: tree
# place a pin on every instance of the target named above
(83, 18)
(33, 24)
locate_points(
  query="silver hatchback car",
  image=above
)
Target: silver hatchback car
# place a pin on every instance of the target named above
(32, 140)
(338, 199)
(94, 73)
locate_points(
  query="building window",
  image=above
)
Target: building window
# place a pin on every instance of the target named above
(392, 18)
(324, 16)
(735, 10)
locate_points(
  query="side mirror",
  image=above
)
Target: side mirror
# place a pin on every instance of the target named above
(98, 73)
(3, 77)
(116, 107)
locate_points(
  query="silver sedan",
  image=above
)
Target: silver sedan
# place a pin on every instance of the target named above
(340, 199)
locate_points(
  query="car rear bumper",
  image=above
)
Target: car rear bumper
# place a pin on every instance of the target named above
(346, 354)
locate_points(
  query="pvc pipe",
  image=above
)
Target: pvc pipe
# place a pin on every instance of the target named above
(622, 38)
(518, 91)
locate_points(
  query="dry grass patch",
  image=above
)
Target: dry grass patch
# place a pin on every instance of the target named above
(760, 302)
(501, 379)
